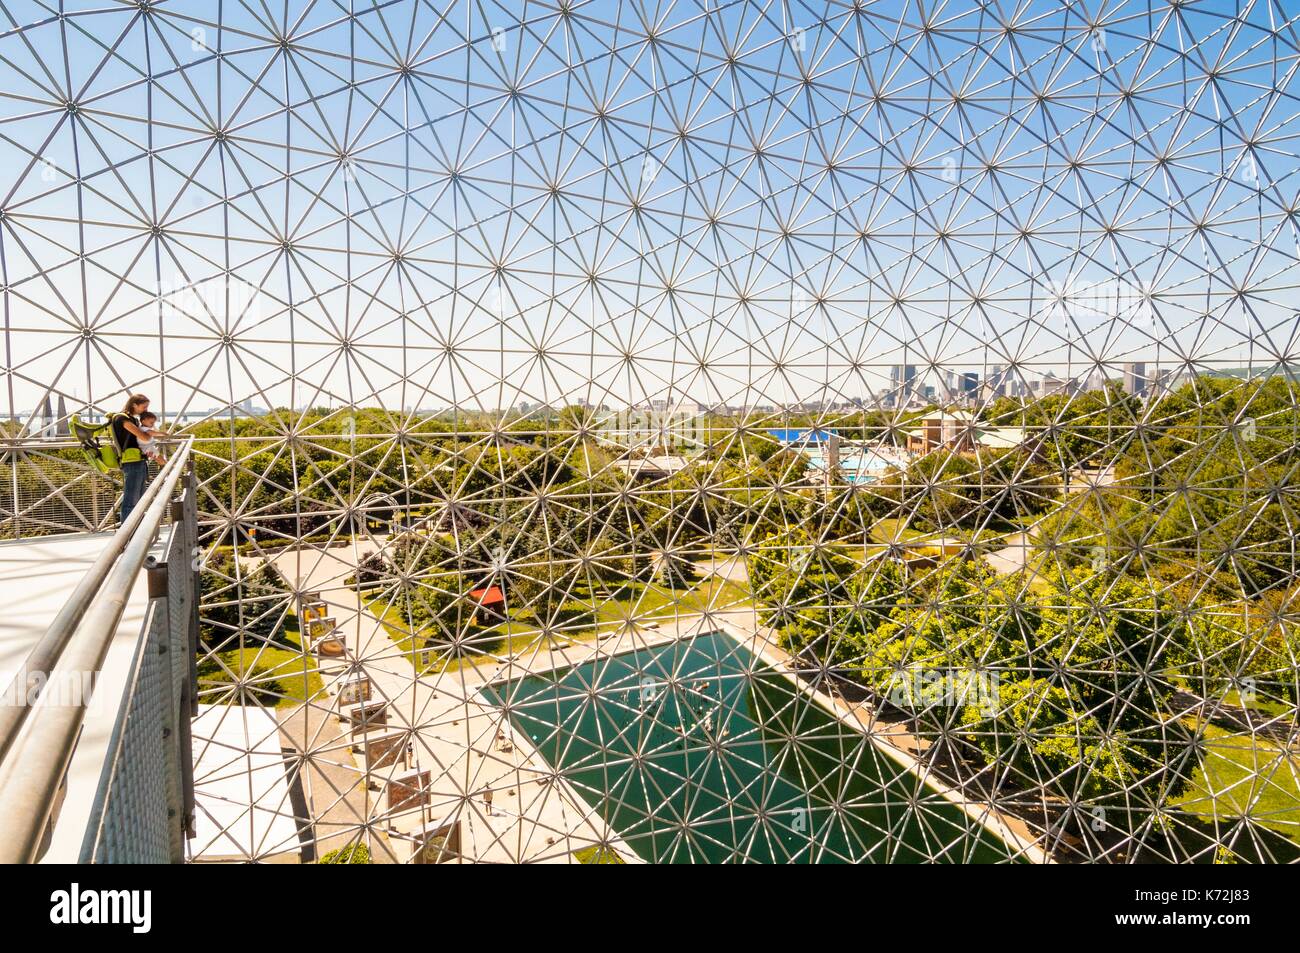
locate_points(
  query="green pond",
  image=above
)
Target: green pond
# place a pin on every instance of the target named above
(697, 751)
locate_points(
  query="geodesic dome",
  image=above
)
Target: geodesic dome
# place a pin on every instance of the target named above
(846, 432)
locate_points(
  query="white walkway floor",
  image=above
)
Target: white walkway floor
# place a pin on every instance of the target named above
(36, 577)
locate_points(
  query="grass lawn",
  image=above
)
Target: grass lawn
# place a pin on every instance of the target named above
(897, 529)
(996, 529)
(1270, 709)
(481, 644)
(278, 673)
(631, 603)
(861, 554)
(598, 855)
(640, 602)
(1243, 775)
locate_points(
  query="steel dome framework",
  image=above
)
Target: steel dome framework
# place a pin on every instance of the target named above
(485, 311)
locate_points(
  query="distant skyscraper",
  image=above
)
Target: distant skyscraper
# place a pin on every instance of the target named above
(1051, 384)
(901, 382)
(1135, 378)
(998, 381)
(1164, 381)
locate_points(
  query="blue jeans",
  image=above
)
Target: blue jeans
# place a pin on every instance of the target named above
(134, 477)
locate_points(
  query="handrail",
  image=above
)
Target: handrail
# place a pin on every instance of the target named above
(45, 652)
(32, 762)
(35, 444)
(39, 443)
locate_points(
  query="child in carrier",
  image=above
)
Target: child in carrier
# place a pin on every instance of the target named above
(152, 448)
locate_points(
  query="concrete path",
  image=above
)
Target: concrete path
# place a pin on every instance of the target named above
(466, 744)
(470, 749)
(1012, 557)
(731, 568)
(1086, 481)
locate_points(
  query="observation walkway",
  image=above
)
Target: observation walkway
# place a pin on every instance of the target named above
(97, 671)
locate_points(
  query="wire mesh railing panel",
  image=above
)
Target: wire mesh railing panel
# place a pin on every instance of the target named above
(50, 491)
(134, 826)
(144, 807)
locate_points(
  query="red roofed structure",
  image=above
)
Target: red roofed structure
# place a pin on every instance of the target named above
(489, 604)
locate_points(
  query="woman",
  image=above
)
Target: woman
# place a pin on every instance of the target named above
(127, 434)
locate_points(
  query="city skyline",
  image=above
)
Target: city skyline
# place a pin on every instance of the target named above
(930, 494)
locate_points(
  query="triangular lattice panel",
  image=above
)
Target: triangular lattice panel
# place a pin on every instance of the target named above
(845, 432)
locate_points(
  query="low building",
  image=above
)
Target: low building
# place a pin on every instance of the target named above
(955, 430)
(798, 438)
(1001, 438)
(652, 467)
(489, 605)
(962, 432)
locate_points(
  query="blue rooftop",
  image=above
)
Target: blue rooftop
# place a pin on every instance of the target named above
(791, 436)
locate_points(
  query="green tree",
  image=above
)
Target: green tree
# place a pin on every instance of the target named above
(239, 603)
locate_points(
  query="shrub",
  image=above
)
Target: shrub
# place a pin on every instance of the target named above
(352, 854)
(372, 570)
(236, 602)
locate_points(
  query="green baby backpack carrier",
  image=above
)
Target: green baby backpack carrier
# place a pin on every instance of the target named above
(98, 444)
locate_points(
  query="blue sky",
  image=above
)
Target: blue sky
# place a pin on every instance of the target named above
(492, 203)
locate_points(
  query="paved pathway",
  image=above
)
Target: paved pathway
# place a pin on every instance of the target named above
(339, 803)
(471, 749)
(732, 568)
(1012, 557)
(466, 744)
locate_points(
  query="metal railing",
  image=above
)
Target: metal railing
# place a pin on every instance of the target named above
(142, 803)
(48, 486)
